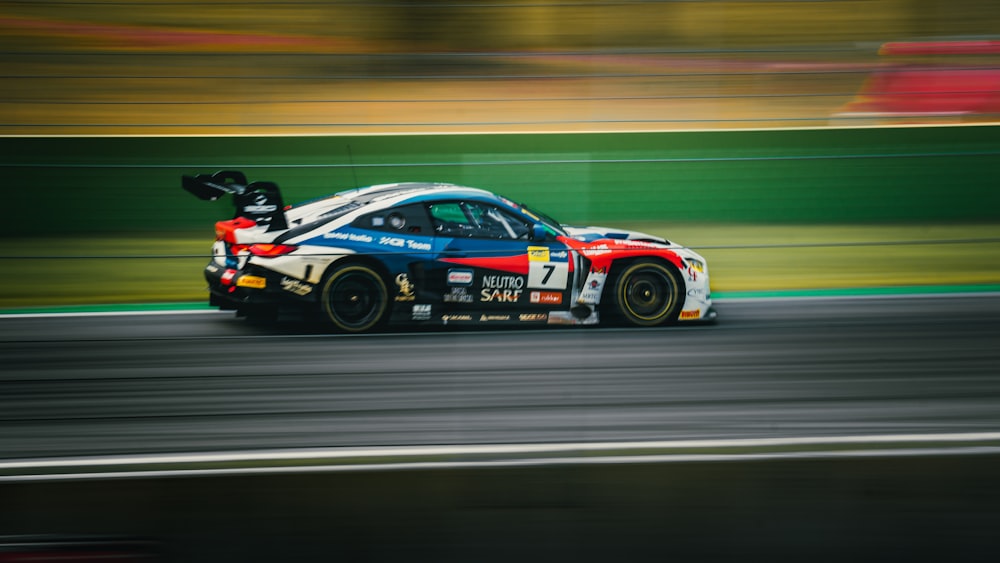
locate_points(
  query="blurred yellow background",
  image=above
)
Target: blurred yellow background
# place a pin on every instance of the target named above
(435, 25)
(160, 66)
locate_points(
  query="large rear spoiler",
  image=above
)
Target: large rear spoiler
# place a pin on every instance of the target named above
(260, 201)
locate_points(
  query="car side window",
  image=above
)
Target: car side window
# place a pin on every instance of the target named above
(450, 220)
(408, 219)
(500, 224)
(476, 220)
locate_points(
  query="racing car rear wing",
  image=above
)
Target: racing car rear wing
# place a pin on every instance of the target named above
(259, 201)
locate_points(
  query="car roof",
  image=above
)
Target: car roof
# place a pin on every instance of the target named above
(414, 192)
(376, 198)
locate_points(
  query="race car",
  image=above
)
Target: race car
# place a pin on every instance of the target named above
(438, 254)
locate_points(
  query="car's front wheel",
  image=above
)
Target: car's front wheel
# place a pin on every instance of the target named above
(649, 293)
(355, 298)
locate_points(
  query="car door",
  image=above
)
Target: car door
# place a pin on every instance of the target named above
(491, 267)
(402, 239)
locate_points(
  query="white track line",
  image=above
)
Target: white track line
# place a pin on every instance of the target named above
(505, 455)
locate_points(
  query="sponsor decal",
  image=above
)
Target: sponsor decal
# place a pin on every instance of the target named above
(546, 297)
(695, 314)
(698, 292)
(641, 244)
(695, 268)
(227, 277)
(405, 288)
(559, 255)
(408, 244)
(353, 237)
(260, 208)
(212, 268)
(295, 286)
(421, 312)
(460, 277)
(503, 282)
(592, 290)
(255, 282)
(501, 289)
(260, 205)
(596, 250)
(500, 296)
(458, 295)
(533, 317)
(457, 318)
(538, 254)
(493, 318)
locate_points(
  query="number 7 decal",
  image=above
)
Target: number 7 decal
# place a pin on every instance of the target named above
(544, 273)
(549, 268)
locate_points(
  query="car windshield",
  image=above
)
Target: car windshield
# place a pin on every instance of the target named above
(550, 224)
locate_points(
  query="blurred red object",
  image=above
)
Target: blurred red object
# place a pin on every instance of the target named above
(955, 79)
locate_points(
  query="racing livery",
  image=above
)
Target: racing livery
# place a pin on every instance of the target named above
(430, 253)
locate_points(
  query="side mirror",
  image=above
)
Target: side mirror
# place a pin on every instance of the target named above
(538, 233)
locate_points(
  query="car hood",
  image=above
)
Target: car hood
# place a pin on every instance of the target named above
(589, 234)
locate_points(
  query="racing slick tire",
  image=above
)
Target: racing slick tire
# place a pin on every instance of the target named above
(355, 298)
(649, 293)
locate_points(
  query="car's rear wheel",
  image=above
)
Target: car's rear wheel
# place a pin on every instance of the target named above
(649, 293)
(355, 298)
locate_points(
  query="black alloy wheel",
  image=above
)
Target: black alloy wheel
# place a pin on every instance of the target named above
(355, 298)
(649, 293)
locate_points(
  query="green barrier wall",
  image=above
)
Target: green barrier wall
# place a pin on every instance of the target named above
(94, 184)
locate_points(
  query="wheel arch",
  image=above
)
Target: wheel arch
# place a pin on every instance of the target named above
(611, 308)
(618, 266)
(360, 259)
(377, 268)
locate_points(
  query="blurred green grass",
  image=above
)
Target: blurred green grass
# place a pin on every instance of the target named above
(142, 268)
(137, 268)
(871, 255)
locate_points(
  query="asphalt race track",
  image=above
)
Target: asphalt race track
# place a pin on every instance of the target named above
(192, 382)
